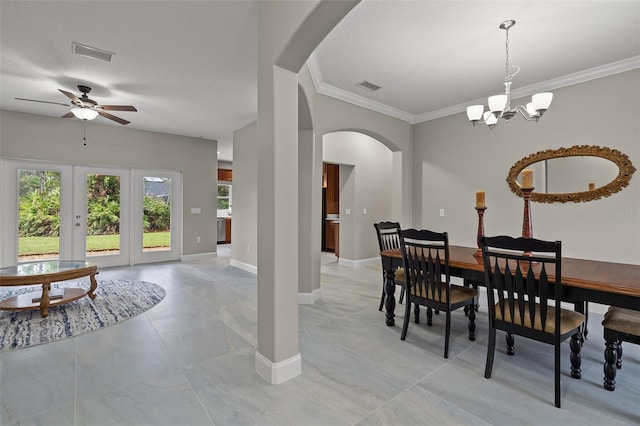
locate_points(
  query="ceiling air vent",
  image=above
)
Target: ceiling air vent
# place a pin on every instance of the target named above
(367, 85)
(91, 52)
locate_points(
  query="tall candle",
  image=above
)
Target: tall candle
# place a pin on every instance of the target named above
(592, 186)
(527, 178)
(480, 199)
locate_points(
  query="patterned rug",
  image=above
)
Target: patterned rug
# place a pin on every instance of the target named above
(116, 300)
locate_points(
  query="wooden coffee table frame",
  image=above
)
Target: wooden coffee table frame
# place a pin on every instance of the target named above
(24, 301)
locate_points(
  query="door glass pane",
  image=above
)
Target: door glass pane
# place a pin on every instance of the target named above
(103, 215)
(156, 210)
(38, 215)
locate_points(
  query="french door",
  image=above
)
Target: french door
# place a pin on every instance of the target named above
(111, 216)
(101, 215)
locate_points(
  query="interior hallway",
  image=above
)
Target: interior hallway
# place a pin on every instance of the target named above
(190, 361)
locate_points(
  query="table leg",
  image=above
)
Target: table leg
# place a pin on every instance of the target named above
(94, 286)
(390, 300)
(44, 299)
(575, 344)
(610, 361)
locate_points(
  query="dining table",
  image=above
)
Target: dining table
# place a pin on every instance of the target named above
(583, 280)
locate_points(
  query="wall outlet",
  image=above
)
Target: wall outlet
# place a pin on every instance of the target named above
(197, 239)
(441, 212)
(364, 211)
(347, 212)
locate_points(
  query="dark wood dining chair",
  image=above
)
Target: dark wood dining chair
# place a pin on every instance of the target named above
(620, 325)
(524, 292)
(425, 255)
(389, 239)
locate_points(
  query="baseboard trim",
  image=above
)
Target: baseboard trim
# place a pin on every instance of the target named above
(358, 263)
(199, 256)
(309, 298)
(278, 372)
(244, 266)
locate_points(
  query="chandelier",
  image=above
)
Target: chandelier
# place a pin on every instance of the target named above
(500, 105)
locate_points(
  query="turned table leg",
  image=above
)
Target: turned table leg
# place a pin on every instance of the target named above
(610, 361)
(576, 360)
(390, 300)
(44, 299)
(94, 286)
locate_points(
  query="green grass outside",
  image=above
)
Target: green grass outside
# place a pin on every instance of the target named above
(44, 245)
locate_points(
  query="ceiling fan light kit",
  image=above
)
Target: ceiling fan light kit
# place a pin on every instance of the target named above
(500, 105)
(84, 113)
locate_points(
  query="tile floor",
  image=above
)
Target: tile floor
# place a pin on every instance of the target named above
(190, 361)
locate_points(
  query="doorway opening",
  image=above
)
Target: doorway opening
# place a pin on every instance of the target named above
(331, 208)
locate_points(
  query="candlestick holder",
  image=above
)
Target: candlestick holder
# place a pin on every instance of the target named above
(527, 224)
(480, 210)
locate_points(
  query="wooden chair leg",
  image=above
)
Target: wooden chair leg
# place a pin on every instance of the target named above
(405, 324)
(382, 299)
(557, 375)
(447, 333)
(491, 350)
(416, 313)
(619, 350)
(402, 294)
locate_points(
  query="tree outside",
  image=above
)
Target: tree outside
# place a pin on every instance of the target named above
(39, 214)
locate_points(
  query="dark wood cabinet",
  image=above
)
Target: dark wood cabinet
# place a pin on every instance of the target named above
(332, 237)
(227, 230)
(225, 175)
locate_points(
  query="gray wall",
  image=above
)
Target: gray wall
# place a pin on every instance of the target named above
(34, 137)
(452, 160)
(244, 226)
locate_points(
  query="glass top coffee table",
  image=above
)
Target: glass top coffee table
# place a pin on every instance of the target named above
(45, 273)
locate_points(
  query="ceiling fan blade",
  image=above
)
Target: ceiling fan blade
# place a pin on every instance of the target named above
(117, 107)
(44, 102)
(71, 96)
(112, 117)
(68, 115)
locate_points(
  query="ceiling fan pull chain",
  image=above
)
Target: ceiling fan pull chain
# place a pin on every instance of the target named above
(84, 130)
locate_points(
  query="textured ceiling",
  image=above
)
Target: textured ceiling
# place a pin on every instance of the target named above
(190, 67)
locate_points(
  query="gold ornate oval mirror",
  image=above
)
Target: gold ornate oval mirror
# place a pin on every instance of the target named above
(607, 172)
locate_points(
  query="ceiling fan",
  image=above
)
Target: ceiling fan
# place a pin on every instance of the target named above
(86, 108)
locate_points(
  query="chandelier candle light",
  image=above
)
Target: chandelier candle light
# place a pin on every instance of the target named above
(500, 105)
(480, 208)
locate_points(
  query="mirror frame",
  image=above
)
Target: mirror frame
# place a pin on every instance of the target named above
(625, 171)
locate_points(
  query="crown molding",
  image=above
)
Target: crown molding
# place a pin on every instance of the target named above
(343, 95)
(556, 83)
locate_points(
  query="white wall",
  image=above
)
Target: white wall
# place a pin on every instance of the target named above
(452, 160)
(34, 137)
(371, 180)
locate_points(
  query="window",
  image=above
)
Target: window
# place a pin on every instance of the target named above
(224, 199)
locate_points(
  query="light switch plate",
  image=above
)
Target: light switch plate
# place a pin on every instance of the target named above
(196, 210)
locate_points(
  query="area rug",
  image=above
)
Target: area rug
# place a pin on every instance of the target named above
(116, 301)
